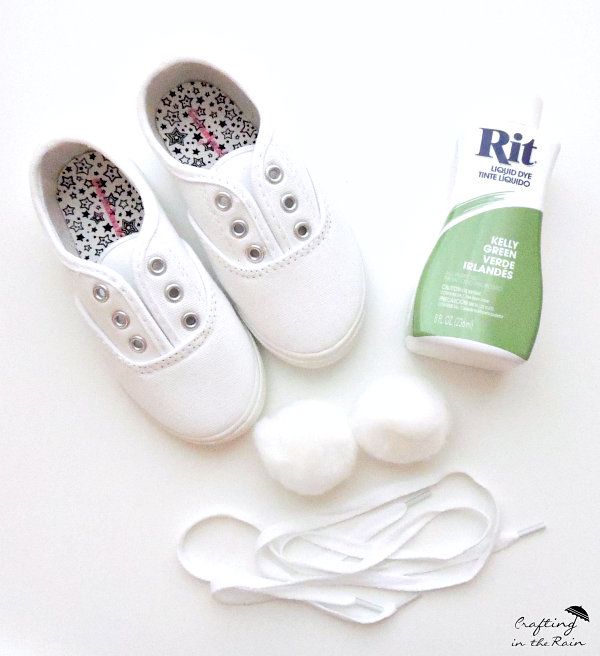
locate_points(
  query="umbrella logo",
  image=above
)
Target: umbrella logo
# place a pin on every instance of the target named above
(551, 632)
(578, 611)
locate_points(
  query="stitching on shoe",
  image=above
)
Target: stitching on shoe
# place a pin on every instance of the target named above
(286, 261)
(176, 357)
(130, 300)
(190, 347)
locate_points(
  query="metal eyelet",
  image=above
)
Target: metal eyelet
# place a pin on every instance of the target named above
(120, 319)
(289, 202)
(173, 293)
(255, 253)
(302, 230)
(190, 321)
(223, 201)
(157, 266)
(239, 228)
(100, 293)
(274, 174)
(137, 344)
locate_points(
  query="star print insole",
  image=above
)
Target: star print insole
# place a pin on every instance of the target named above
(99, 203)
(199, 124)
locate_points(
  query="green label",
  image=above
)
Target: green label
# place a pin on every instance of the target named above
(483, 280)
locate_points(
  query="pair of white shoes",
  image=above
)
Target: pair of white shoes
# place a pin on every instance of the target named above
(293, 272)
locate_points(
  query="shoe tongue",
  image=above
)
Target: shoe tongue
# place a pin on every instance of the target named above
(118, 257)
(236, 166)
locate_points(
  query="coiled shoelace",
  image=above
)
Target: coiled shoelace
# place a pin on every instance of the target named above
(364, 563)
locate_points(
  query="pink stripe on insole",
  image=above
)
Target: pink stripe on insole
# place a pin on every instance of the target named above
(210, 140)
(107, 208)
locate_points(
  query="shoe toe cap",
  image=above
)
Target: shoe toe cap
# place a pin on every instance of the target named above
(309, 311)
(206, 393)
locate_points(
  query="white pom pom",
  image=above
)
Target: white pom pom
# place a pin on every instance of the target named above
(400, 419)
(307, 446)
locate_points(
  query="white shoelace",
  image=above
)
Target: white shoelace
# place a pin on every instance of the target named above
(358, 564)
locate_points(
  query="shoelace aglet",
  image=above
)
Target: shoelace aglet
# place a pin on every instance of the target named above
(534, 528)
(421, 495)
(368, 604)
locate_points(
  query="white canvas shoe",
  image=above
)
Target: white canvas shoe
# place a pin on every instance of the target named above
(293, 271)
(176, 344)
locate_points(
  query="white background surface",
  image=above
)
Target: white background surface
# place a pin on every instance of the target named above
(93, 495)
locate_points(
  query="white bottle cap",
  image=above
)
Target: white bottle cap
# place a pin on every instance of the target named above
(526, 111)
(513, 108)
